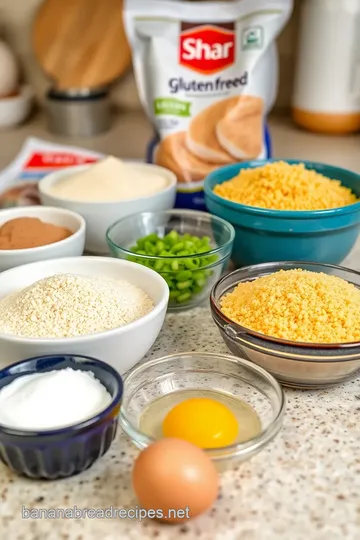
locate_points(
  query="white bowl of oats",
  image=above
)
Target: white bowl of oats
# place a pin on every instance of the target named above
(94, 306)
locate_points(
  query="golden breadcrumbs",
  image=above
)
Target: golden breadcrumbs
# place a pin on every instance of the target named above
(280, 186)
(297, 305)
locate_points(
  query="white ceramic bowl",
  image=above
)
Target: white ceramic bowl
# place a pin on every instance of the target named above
(70, 247)
(15, 109)
(121, 347)
(100, 215)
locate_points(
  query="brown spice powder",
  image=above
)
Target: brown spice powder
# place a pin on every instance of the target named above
(28, 232)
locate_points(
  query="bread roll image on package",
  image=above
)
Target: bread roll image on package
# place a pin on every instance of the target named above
(207, 76)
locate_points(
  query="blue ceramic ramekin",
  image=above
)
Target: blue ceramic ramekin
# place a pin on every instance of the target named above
(261, 235)
(68, 451)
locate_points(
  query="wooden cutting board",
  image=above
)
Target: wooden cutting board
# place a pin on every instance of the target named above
(81, 43)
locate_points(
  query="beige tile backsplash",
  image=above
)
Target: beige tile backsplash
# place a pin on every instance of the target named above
(15, 27)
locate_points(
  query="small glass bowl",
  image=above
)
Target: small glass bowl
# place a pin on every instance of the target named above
(64, 452)
(205, 269)
(297, 365)
(205, 371)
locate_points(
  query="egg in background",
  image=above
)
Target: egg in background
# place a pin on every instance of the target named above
(173, 474)
(9, 72)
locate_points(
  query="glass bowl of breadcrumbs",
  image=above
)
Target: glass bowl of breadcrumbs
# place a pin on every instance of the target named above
(298, 320)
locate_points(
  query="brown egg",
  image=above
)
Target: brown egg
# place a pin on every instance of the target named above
(175, 479)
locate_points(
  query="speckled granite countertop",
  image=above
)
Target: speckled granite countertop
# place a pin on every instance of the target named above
(304, 485)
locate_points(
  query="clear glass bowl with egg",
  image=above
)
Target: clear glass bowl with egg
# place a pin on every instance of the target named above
(294, 364)
(190, 275)
(251, 394)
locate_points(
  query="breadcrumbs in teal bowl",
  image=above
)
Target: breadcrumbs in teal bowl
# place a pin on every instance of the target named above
(265, 234)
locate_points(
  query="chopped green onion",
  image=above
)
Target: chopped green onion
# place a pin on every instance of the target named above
(180, 258)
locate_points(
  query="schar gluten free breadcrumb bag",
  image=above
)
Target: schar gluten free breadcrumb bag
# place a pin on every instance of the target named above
(207, 77)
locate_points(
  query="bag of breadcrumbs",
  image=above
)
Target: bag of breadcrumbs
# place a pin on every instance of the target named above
(207, 77)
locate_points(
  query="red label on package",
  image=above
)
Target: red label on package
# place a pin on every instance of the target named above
(207, 48)
(53, 160)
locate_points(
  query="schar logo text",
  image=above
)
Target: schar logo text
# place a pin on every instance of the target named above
(207, 48)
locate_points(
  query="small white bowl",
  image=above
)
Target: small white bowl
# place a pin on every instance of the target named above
(121, 347)
(100, 215)
(72, 246)
(15, 109)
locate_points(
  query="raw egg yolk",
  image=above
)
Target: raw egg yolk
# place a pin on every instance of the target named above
(205, 422)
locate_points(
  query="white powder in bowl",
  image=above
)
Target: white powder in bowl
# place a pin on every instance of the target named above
(109, 180)
(68, 305)
(36, 401)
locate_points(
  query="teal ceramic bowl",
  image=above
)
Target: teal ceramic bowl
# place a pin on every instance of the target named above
(261, 235)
